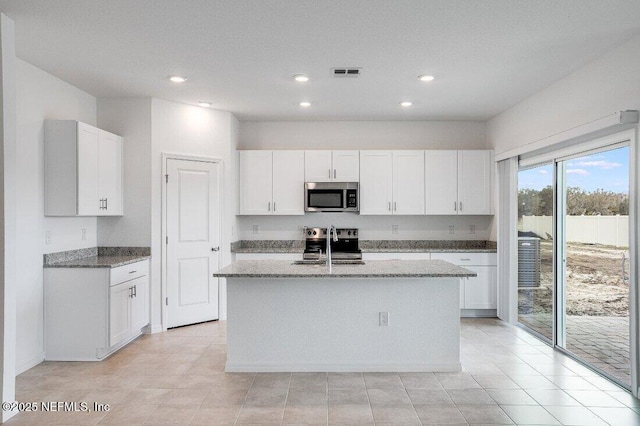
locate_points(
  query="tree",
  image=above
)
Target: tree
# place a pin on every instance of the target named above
(532, 202)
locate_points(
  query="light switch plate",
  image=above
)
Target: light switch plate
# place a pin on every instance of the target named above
(256, 229)
(394, 229)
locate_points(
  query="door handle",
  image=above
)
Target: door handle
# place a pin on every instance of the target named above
(215, 248)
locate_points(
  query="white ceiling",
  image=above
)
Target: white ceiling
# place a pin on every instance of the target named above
(486, 55)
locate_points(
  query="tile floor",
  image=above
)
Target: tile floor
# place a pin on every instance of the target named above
(601, 341)
(178, 377)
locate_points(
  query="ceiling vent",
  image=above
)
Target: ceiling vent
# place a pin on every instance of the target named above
(346, 72)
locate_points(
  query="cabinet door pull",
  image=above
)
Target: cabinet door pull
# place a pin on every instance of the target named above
(106, 203)
(329, 173)
(460, 205)
(455, 206)
(395, 207)
(465, 260)
(269, 206)
(389, 205)
(135, 291)
(274, 206)
(334, 173)
(130, 292)
(132, 272)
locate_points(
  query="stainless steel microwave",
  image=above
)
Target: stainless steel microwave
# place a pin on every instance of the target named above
(331, 197)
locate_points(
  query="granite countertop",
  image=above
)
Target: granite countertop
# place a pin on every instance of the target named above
(371, 269)
(97, 257)
(372, 246)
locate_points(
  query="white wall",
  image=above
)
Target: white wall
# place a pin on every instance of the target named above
(41, 96)
(606, 85)
(131, 119)
(362, 135)
(191, 130)
(370, 227)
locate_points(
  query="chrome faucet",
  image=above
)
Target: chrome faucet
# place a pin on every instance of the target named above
(332, 234)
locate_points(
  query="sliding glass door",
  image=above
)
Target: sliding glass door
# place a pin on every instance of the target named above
(573, 239)
(594, 251)
(535, 249)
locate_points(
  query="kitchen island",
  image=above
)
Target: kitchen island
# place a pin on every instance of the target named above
(287, 317)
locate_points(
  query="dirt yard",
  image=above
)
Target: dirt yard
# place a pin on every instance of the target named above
(594, 282)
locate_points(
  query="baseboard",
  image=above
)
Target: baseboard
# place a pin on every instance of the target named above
(29, 364)
(155, 328)
(478, 313)
(451, 367)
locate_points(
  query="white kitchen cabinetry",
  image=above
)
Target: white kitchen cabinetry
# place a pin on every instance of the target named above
(459, 182)
(331, 166)
(396, 256)
(478, 295)
(268, 256)
(83, 170)
(90, 313)
(271, 182)
(392, 182)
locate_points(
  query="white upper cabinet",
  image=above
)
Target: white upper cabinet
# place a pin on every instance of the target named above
(408, 182)
(475, 183)
(331, 166)
(271, 182)
(288, 182)
(83, 170)
(376, 182)
(459, 182)
(441, 182)
(391, 182)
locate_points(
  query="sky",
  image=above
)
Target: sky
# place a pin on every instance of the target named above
(607, 170)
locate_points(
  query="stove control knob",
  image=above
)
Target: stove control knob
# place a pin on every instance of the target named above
(354, 233)
(314, 232)
(308, 232)
(348, 232)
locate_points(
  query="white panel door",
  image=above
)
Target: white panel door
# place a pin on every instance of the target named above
(119, 312)
(408, 182)
(480, 291)
(474, 182)
(193, 218)
(346, 166)
(318, 166)
(376, 182)
(110, 173)
(256, 182)
(288, 182)
(441, 182)
(88, 198)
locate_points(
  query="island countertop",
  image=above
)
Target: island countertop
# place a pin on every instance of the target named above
(370, 269)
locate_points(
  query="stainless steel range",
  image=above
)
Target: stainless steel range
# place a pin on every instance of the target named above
(345, 248)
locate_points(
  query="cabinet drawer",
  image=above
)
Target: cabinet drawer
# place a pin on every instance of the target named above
(482, 259)
(396, 256)
(129, 272)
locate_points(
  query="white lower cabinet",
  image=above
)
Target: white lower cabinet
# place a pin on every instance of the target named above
(90, 313)
(478, 295)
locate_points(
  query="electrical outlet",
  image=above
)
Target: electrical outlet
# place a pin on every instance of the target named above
(256, 229)
(394, 229)
(472, 229)
(383, 318)
(84, 234)
(47, 237)
(451, 229)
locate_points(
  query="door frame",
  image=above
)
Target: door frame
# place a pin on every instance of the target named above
(164, 312)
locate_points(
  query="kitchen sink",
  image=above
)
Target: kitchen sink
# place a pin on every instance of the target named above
(324, 262)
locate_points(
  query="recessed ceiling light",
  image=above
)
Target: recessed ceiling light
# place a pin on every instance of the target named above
(405, 104)
(301, 78)
(204, 103)
(305, 104)
(177, 79)
(425, 77)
